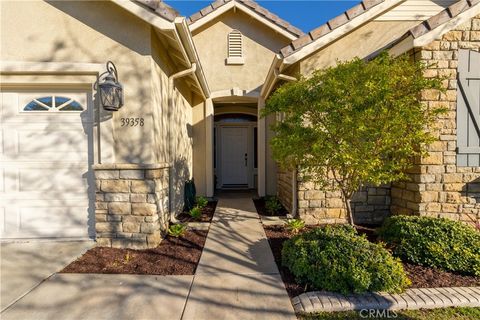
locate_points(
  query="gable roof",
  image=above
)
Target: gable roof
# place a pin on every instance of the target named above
(442, 17)
(436, 26)
(174, 30)
(250, 7)
(355, 12)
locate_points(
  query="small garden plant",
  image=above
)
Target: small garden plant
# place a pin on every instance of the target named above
(272, 205)
(434, 242)
(195, 213)
(336, 258)
(202, 202)
(177, 230)
(295, 225)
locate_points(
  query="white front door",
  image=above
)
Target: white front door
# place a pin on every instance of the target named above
(234, 156)
(45, 151)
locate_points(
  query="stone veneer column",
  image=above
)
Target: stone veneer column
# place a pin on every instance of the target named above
(438, 187)
(131, 208)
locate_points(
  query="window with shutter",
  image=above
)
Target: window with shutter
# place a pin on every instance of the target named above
(468, 109)
(235, 48)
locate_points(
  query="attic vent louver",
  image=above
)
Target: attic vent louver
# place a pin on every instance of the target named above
(235, 50)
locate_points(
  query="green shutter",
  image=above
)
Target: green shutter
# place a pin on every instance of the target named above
(468, 109)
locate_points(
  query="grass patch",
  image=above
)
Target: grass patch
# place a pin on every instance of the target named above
(425, 314)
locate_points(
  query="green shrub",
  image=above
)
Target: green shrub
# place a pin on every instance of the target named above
(433, 242)
(336, 258)
(201, 202)
(177, 230)
(295, 225)
(195, 213)
(272, 204)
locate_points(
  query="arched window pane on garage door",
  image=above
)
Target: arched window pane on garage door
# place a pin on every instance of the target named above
(53, 103)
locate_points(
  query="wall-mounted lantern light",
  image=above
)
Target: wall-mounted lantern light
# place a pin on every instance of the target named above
(111, 91)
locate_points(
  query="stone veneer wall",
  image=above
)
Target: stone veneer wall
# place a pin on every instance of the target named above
(131, 209)
(438, 187)
(284, 188)
(317, 206)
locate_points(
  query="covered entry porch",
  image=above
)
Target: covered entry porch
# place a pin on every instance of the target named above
(235, 152)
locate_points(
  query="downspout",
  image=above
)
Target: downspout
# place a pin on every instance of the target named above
(171, 147)
(284, 77)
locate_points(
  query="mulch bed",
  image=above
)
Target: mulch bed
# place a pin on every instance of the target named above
(174, 256)
(421, 277)
(261, 210)
(207, 214)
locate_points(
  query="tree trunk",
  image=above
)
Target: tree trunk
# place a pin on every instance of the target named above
(349, 211)
(347, 202)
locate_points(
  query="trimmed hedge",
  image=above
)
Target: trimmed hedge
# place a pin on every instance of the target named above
(433, 242)
(336, 258)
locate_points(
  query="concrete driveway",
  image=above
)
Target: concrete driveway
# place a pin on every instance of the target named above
(24, 265)
(31, 288)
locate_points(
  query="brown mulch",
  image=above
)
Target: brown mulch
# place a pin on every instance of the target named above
(207, 214)
(421, 277)
(261, 210)
(425, 277)
(174, 256)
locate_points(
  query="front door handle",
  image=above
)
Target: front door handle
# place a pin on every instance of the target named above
(246, 159)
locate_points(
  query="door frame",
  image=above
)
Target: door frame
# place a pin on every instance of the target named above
(251, 171)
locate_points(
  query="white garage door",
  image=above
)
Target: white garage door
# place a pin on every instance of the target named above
(45, 151)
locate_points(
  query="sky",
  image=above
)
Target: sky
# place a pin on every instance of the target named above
(304, 14)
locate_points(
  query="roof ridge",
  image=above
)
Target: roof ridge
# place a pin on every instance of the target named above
(255, 7)
(329, 26)
(442, 17)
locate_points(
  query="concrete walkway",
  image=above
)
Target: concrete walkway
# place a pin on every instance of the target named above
(422, 298)
(237, 277)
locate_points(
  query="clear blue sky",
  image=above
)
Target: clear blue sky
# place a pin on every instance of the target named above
(304, 14)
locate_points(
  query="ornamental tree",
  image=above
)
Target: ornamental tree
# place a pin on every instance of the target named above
(356, 124)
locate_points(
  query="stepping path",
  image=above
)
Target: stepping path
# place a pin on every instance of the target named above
(237, 277)
(422, 298)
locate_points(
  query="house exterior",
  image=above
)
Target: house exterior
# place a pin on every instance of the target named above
(193, 91)
(446, 37)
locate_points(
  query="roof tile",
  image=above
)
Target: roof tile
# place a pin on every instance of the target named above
(442, 17)
(286, 51)
(302, 41)
(355, 11)
(252, 5)
(320, 31)
(334, 23)
(338, 21)
(194, 17)
(457, 8)
(161, 8)
(438, 19)
(206, 10)
(417, 31)
(371, 3)
(217, 3)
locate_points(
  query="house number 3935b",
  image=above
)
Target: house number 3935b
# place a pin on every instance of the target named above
(132, 122)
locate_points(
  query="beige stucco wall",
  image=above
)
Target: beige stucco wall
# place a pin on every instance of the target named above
(259, 45)
(360, 43)
(95, 32)
(199, 147)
